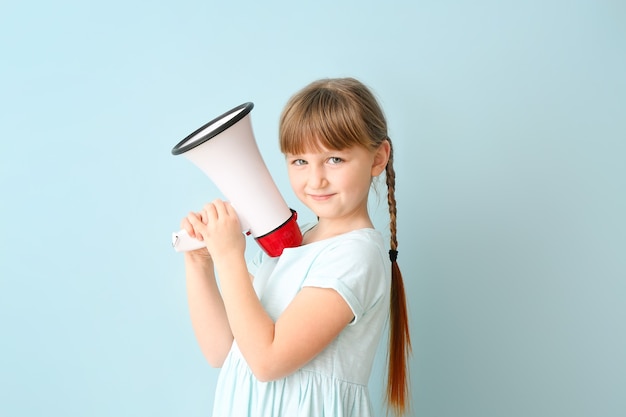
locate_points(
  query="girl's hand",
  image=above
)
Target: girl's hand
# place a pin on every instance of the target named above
(185, 224)
(218, 226)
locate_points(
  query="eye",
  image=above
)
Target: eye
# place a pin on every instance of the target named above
(334, 160)
(298, 162)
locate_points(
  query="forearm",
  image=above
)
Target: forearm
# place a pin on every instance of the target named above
(251, 326)
(273, 350)
(206, 307)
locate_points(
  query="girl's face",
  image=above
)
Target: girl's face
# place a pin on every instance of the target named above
(335, 184)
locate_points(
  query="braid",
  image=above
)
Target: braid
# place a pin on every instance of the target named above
(399, 337)
(391, 198)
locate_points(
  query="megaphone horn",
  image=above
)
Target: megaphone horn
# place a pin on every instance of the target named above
(226, 151)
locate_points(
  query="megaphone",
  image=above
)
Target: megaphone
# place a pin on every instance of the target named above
(226, 151)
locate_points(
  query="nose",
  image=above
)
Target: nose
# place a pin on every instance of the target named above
(317, 177)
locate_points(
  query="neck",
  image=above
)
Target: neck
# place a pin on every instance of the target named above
(326, 229)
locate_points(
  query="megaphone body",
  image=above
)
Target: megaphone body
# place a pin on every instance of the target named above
(226, 151)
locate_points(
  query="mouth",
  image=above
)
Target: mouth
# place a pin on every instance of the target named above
(320, 197)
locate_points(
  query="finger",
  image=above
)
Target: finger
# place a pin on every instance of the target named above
(220, 209)
(209, 212)
(186, 226)
(202, 214)
(229, 208)
(196, 223)
(232, 213)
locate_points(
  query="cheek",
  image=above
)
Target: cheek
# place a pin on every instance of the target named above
(295, 180)
(361, 177)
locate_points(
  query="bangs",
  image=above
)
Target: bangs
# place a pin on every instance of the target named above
(320, 119)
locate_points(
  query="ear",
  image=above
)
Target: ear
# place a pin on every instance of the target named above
(381, 157)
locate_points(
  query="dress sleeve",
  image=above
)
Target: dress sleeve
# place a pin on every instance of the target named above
(354, 268)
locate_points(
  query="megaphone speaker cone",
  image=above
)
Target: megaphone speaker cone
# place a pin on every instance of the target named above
(212, 128)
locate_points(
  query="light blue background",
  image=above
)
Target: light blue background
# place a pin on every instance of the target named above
(509, 125)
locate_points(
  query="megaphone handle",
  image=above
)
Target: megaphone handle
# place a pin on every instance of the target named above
(182, 242)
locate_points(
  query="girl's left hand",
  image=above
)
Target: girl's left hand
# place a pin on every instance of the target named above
(220, 229)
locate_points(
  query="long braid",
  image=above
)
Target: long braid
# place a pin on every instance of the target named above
(399, 337)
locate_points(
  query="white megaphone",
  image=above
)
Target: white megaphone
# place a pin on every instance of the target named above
(226, 151)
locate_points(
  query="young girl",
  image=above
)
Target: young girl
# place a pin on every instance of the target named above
(296, 335)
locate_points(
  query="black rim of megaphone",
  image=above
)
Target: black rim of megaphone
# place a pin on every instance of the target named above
(183, 146)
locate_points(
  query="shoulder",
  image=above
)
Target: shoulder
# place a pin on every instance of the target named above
(353, 256)
(355, 266)
(362, 245)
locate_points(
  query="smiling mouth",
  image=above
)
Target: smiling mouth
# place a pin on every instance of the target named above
(320, 197)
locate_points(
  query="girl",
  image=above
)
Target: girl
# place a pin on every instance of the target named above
(296, 335)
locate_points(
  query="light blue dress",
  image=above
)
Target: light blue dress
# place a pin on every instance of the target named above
(334, 383)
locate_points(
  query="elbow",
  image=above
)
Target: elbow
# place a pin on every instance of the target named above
(215, 357)
(264, 376)
(215, 362)
(268, 372)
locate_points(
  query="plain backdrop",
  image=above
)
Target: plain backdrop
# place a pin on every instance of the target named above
(508, 120)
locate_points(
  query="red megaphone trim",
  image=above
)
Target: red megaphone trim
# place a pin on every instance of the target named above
(287, 235)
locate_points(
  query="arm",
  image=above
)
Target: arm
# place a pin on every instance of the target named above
(273, 350)
(206, 307)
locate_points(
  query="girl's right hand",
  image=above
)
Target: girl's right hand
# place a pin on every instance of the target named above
(185, 224)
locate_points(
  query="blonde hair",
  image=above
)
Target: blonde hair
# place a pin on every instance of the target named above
(338, 113)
